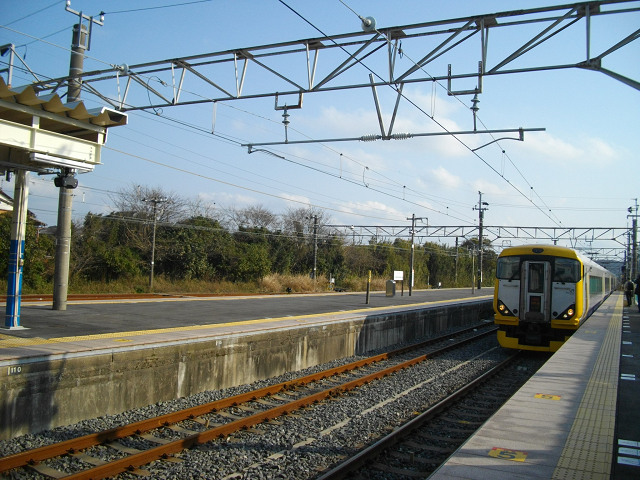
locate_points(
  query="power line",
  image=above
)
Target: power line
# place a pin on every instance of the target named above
(239, 186)
(158, 7)
(40, 10)
(446, 213)
(432, 117)
(354, 181)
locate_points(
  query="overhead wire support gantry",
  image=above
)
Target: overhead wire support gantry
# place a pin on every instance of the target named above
(225, 75)
(495, 234)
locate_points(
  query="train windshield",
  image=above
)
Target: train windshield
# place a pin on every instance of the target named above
(508, 268)
(566, 270)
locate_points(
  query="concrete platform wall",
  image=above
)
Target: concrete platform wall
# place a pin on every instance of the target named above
(66, 389)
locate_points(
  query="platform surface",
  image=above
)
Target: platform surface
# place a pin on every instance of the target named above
(562, 423)
(91, 325)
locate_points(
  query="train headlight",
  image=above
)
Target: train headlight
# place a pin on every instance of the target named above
(503, 310)
(568, 313)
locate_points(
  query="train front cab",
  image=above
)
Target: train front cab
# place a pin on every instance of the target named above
(539, 297)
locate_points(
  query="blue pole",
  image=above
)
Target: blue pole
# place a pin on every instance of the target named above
(16, 250)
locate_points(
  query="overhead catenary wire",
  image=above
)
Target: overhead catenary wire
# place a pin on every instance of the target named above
(536, 193)
(432, 117)
(358, 183)
(399, 184)
(31, 14)
(157, 7)
(280, 197)
(446, 213)
(334, 175)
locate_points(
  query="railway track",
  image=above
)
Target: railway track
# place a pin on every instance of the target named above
(420, 446)
(130, 447)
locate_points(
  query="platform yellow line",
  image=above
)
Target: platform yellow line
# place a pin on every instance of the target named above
(9, 341)
(588, 449)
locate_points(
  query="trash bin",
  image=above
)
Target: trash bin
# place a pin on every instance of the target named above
(391, 288)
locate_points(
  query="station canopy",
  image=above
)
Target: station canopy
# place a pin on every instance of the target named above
(39, 133)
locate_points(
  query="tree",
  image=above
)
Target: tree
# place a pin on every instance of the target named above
(197, 248)
(489, 258)
(250, 262)
(103, 249)
(148, 209)
(304, 227)
(38, 253)
(252, 217)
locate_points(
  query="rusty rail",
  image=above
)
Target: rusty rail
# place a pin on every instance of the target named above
(134, 461)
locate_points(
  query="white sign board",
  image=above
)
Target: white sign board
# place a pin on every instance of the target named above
(398, 275)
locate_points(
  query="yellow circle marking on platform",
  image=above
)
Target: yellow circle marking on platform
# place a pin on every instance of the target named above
(508, 454)
(547, 396)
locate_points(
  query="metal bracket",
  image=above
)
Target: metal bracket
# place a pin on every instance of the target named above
(288, 107)
(475, 91)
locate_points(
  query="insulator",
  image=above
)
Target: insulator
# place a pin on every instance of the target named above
(401, 136)
(369, 138)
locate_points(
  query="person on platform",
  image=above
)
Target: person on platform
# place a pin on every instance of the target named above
(628, 292)
(637, 292)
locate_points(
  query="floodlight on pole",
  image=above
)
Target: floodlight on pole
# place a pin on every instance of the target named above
(66, 181)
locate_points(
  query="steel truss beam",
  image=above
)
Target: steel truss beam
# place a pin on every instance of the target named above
(581, 238)
(293, 68)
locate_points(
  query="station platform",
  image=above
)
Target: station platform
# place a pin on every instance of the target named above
(92, 325)
(106, 357)
(577, 418)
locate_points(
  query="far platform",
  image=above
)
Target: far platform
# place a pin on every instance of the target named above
(125, 323)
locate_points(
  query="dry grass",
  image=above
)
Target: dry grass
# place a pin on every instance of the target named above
(271, 284)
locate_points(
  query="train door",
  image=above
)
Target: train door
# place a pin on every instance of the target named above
(536, 292)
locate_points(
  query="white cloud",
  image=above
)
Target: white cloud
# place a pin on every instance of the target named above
(445, 178)
(592, 150)
(227, 199)
(298, 200)
(340, 122)
(376, 209)
(487, 187)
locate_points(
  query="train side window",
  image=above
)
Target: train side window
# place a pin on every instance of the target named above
(566, 270)
(508, 268)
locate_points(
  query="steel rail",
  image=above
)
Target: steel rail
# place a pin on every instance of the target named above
(372, 451)
(135, 461)
(34, 456)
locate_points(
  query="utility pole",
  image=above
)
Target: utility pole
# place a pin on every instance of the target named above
(481, 208)
(413, 233)
(456, 276)
(66, 180)
(634, 245)
(155, 201)
(315, 247)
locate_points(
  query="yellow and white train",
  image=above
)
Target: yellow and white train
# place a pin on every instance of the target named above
(543, 293)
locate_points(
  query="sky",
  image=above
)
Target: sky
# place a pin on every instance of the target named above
(580, 172)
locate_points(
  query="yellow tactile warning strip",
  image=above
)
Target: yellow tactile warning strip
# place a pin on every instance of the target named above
(9, 341)
(588, 451)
